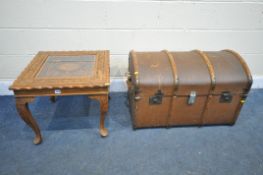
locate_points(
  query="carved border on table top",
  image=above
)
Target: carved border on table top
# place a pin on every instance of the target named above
(26, 80)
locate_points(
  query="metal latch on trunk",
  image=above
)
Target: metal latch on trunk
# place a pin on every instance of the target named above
(226, 97)
(192, 97)
(157, 98)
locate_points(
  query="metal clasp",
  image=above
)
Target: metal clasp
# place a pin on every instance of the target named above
(157, 98)
(192, 97)
(226, 97)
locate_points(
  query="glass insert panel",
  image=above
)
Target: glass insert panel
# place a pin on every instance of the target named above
(68, 66)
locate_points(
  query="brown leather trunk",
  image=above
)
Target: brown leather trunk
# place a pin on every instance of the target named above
(186, 88)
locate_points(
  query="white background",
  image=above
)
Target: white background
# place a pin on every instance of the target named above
(28, 26)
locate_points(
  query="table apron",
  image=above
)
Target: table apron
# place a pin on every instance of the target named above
(62, 92)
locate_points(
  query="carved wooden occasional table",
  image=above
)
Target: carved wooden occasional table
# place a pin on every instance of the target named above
(63, 73)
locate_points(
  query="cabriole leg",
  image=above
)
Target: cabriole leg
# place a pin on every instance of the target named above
(103, 99)
(25, 114)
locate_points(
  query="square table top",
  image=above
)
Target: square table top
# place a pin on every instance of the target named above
(65, 69)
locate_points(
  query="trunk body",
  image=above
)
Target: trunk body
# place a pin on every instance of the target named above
(186, 88)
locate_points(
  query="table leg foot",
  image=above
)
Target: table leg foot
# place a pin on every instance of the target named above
(104, 132)
(37, 140)
(25, 114)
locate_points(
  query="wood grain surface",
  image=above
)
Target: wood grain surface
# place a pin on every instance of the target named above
(30, 79)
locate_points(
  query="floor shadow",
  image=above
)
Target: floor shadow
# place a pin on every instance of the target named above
(75, 112)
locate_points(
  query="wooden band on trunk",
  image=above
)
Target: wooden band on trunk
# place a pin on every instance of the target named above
(136, 67)
(213, 82)
(244, 65)
(174, 69)
(249, 77)
(210, 67)
(176, 83)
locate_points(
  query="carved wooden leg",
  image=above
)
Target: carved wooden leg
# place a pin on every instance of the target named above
(103, 110)
(53, 99)
(103, 99)
(24, 112)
